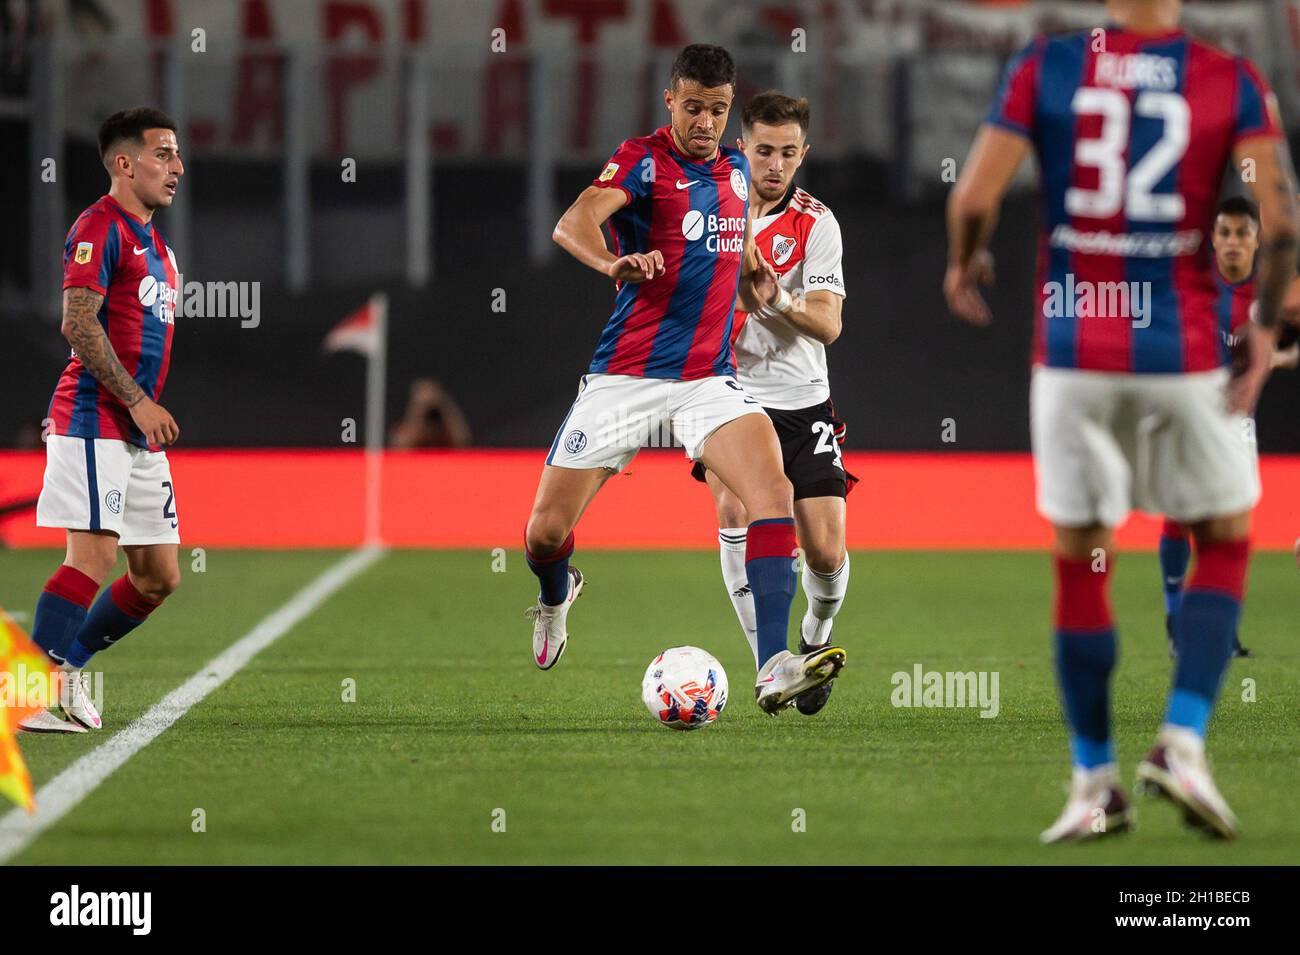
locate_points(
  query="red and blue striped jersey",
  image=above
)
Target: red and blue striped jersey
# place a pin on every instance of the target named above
(694, 213)
(1235, 299)
(129, 263)
(1133, 134)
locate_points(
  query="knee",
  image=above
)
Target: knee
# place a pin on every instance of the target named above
(158, 586)
(97, 567)
(731, 513)
(776, 499)
(825, 557)
(545, 534)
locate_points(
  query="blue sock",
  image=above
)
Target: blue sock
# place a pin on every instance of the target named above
(1205, 630)
(1084, 662)
(61, 611)
(770, 567)
(1175, 552)
(553, 572)
(119, 610)
(56, 624)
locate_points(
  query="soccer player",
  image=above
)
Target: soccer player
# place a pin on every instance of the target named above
(781, 361)
(677, 202)
(1235, 241)
(1132, 403)
(107, 480)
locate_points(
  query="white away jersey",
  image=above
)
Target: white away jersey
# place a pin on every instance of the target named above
(775, 363)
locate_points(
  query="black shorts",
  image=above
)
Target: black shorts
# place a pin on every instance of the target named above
(810, 451)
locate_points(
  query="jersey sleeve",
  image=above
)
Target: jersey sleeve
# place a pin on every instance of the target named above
(631, 168)
(1257, 111)
(1014, 108)
(91, 252)
(823, 260)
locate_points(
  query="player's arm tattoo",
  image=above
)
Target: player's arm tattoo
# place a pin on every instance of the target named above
(1277, 253)
(86, 336)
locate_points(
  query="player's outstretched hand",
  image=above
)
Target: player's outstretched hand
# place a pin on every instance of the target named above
(767, 284)
(637, 267)
(159, 427)
(961, 289)
(1244, 389)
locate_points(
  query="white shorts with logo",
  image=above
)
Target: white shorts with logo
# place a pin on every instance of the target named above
(109, 485)
(1105, 443)
(614, 416)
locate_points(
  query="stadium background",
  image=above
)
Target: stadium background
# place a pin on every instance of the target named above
(465, 157)
(468, 144)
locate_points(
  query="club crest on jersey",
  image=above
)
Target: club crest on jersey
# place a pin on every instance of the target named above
(739, 186)
(782, 248)
(575, 442)
(609, 172)
(113, 500)
(83, 253)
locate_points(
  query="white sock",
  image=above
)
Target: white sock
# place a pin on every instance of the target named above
(825, 593)
(731, 544)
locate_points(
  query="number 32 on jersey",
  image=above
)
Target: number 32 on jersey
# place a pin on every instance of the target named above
(1119, 188)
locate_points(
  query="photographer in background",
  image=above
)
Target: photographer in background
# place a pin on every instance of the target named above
(432, 420)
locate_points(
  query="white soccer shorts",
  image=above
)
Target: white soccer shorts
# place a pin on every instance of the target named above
(1105, 443)
(110, 485)
(614, 416)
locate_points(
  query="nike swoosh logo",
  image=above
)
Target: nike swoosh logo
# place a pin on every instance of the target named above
(768, 679)
(684, 184)
(541, 657)
(174, 524)
(135, 251)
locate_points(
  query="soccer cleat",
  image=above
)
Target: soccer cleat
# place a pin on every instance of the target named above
(1176, 770)
(786, 677)
(815, 699)
(550, 636)
(1096, 807)
(49, 721)
(74, 698)
(1240, 652)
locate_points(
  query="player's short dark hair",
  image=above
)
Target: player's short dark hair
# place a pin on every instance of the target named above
(706, 64)
(1238, 206)
(774, 108)
(131, 124)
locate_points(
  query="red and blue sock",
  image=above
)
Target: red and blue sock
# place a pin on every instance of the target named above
(1175, 553)
(1085, 656)
(119, 610)
(61, 610)
(1205, 630)
(770, 548)
(553, 572)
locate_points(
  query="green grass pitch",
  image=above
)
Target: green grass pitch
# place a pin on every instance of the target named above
(452, 722)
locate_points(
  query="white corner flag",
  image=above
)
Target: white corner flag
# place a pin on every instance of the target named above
(365, 331)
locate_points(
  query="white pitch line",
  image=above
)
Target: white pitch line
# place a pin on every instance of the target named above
(61, 794)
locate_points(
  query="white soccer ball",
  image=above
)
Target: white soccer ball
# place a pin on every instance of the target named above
(684, 688)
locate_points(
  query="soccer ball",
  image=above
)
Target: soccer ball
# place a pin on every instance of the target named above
(684, 688)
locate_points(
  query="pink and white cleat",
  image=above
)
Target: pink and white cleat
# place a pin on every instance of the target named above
(74, 698)
(1096, 807)
(550, 636)
(1176, 769)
